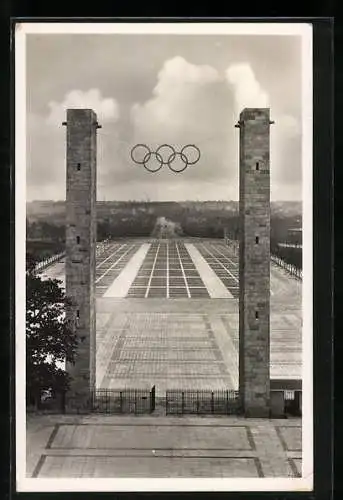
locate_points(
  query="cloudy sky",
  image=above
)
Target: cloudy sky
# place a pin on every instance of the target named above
(157, 89)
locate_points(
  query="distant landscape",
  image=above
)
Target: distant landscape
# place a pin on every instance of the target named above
(45, 221)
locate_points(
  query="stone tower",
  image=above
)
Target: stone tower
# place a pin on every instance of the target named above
(254, 262)
(81, 251)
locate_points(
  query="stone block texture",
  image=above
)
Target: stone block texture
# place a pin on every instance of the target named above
(80, 251)
(254, 262)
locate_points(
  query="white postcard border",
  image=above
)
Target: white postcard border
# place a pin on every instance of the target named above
(24, 483)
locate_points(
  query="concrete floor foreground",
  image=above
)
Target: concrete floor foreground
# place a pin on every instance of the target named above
(114, 446)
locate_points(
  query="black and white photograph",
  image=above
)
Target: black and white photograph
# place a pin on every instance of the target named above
(163, 238)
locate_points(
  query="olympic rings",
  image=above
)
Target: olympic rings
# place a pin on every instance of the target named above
(136, 147)
(196, 149)
(158, 150)
(165, 155)
(182, 157)
(147, 158)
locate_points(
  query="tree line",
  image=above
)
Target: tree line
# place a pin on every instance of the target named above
(46, 238)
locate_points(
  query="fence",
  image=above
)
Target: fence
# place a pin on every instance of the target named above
(290, 245)
(47, 262)
(293, 270)
(101, 247)
(218, 402)
(123, 401)
(175, 402)
(293, 405)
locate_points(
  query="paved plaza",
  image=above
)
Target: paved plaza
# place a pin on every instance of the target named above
(183, 344)
(111, 446)
(167, 315)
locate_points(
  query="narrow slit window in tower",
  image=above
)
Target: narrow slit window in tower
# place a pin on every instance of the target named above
(256, 314)
(257, 240)
(257, 165)
(79, 166)
(78, 240)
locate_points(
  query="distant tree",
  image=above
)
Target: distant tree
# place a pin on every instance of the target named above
(49, 339)
(31, 262)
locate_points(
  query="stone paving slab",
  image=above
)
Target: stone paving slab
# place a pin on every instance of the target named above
(154, 466)
(186, 344)
(194, 382)
(119, 436)
(157, 452)
(290, 438)
(168, 350)
(127, 446)
(40, 420)
(295, 464)
(160, 305)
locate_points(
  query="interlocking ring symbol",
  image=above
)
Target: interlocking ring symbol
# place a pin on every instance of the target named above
(165, 154)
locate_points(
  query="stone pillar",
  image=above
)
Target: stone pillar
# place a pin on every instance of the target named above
(254, 262)
(81, 252)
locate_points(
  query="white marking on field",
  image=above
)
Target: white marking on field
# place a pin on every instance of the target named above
(183, 271)
(123, 282)
(214, 285)
(152, 271)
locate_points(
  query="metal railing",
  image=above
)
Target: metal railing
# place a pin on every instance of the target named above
(187, 401)
(289, 245)
(290, 268)
(173, 402)
(101, 247)
(48, 261)
(135, 401)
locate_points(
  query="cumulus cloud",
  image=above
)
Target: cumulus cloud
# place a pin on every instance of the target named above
(190, 104)
(46, 144)
(177, 71)
(180, 103)
(197, 104)
(107, 109)
(285, 134)
(247, 90)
